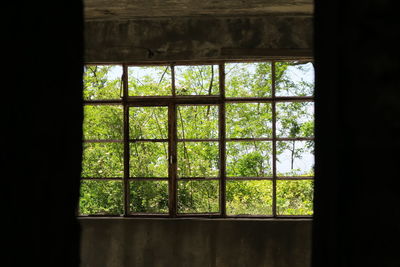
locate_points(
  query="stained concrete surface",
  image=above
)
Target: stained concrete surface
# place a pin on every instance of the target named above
(128, 9)
(191, 38)
(119, 242)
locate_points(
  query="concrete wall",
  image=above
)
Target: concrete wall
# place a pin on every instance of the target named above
(128, 9)
(118, 242)
(197, 38)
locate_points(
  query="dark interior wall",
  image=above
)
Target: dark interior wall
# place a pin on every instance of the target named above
(41, 125)
(356, 208)
(197, 38)
(357, 134)
(195, 242)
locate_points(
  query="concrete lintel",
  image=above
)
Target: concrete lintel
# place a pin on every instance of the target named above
(131, 9)
(197, 38)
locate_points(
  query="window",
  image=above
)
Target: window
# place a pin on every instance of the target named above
(218, 140)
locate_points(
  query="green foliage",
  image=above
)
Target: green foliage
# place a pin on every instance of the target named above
(295, 119)
(248, 120)
(249, 197)
(103, 122)
(148, 123)
(197, 80)
(101, 197)
(99, 83)
(149, 159)
(149, 196)
(248, 79)
(248, 159)
(244, 159)
(149, 81)
(294, 197)
(205, 118)
(198, 196)
(102, 160)
(198, 159)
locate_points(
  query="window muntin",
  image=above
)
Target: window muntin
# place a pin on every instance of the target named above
(222, 140)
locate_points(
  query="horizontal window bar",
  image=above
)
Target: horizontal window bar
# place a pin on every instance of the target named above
(102, 141)
(302, 55)
(149, 178)
(194, 100)
(294, 138)
(103, 102)
(270, 99)
(269, 216)
(100, 215)
(295, 177)
(295, 216)
(242, 216)
(202, 178)
(199, 215)
(248, 139)
(202, 140)
(147, 140)
(165, 100)
(199, 140)
(211, 214)
(242, 178)
(102, 178)
(198, 178)
(142, 214)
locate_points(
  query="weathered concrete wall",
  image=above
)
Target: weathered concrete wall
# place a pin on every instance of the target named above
(195, 242)
(197, 38)
(128, 9)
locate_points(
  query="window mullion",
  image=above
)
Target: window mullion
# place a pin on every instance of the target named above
(126, 141)
(222, 142)
(172, 157)
(274, 212)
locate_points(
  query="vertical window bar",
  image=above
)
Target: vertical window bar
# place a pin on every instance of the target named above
(172, 145)
(173, 80)
(274, 213)
(126, 140)
(222, 142)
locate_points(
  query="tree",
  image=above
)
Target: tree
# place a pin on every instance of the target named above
(250, 158)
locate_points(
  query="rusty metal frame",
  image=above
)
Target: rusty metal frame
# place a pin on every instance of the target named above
(171, 102)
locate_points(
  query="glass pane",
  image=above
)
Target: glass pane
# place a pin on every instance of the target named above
(197, 122)
(295, 158)
(103, 122)
(197, 80)
(102, 160)
(295, 119)
(149, 159)
(149, 81)
(248, 120)
(148, 122)
(294, 78)
(102, 82)
(249, 159)
(200, 196)
(198, 159)
(248, 79)
(101, 197)
(149, 196)
(294, 197)
(249, 197)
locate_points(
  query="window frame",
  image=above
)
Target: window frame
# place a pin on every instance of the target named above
(171, 102)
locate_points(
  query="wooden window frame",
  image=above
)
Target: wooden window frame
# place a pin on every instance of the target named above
(171, 102)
